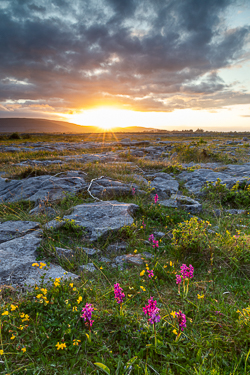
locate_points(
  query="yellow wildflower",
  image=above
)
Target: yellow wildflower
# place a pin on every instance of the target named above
(170, 263)
(60, 346)
(44, 290)
(26, 318)
(12, 337)
(175, 332)
(57, 281)
(76, 342)
(200, 296)
(23, 350)
(173, 314)
(35, 264)
(42, 265)
(79, 300)
(13, 307)
(142, 287)
(71, 285)
(1, 352)
(5, 313)
(142, 272)
(74, 308)
(135, 251)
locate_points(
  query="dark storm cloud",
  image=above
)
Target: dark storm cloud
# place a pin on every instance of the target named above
(146, 55)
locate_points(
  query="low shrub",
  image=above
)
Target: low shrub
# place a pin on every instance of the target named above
(14, 136)
(236, 197)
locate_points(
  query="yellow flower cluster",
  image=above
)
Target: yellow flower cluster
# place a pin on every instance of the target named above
(244, 317)
(42, 296)
(60, 346)
(41, 265)
(24, 317)
(76, 342)
(57, 281)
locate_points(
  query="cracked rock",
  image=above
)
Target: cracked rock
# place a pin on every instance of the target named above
(100, 218)
(87, 268)
(13, 229)
(17, 257)
(164, 185)
(41, 188)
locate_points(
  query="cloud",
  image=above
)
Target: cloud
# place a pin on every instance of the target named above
(159, 55)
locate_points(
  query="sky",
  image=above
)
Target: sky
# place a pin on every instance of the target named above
(172, 64)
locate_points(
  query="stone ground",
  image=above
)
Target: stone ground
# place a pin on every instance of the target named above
(19, 240)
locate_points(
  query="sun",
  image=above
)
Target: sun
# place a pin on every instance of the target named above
(106, 118)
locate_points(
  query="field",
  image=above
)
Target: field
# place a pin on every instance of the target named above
(202, 326)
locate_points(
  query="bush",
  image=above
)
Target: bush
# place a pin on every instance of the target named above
(14, 136)
(191, 236)
(192, 152)
(236, 197)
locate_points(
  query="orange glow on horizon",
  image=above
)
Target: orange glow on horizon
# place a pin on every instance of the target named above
(109, 117)
(103, 117)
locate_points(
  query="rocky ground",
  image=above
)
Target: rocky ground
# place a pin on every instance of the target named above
(81, 215)
(148, 167)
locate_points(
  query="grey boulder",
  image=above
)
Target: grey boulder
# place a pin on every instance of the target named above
(13, 229)
(164, 185)
(41, 188)
(104, 188)
(17, 257)
(100, 218)
(186, 203)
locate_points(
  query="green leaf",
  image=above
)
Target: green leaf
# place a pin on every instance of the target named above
(103, 367)
(131, 361)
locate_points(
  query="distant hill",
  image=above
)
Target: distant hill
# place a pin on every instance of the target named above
(36, 125)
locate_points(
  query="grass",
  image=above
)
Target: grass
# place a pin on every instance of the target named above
(41, 329)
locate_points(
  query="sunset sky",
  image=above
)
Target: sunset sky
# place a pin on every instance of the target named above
(173, 64)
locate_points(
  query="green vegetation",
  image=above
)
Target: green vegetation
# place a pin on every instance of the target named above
(198, 153)
(36, 323)
(41, 329)
(236, 197)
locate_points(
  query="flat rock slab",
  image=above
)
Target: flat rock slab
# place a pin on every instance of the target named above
(239, 170)
(102, 217)
(135, 259)
(164, 185)
(197, 179)
(87, 268)
(181, 201)
(117, 247)
(13, 229)
(17, 257)
(41, 188)
(105, 187)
